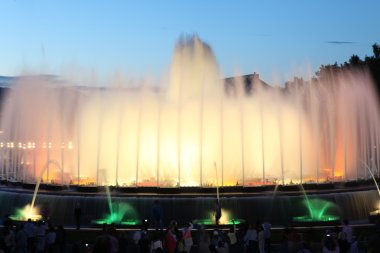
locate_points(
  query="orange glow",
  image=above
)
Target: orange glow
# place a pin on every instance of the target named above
(190, 130)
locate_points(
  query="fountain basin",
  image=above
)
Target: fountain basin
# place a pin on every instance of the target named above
(126, 223)
(374, 216)
(211, 222)
(277, 207)
(325, 220)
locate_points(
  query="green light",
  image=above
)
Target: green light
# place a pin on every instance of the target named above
(212, 222)
(317, 211)
(117, 215)
(310, 219)
(23, 214)
(131, 222)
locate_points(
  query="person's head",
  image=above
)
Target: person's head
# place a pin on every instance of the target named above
(173, 224)
(102, 245)
(156, 236)
(345, 222)
(329, 242)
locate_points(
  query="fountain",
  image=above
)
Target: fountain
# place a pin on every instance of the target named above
(30, 211)
(175, 133)
(117, 216)
(117, 212)
(318, 212)
(26, 213)
(172, 134)
(374, 215)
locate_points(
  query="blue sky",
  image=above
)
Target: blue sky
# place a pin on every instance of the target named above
(275, 38)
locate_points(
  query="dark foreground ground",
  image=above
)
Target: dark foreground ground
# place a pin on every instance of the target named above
(367, 238)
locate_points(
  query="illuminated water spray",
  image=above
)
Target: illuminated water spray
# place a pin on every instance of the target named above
(319, 210)
(30, 211)
(376, 212)
(175, 132)
(118, 213)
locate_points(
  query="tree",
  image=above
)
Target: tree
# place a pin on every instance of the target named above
(376, 50)
(355, 60)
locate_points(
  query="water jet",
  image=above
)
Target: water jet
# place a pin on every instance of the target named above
(168, 137)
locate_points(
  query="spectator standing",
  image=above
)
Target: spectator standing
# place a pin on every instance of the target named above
(188, 239)
(204, 243)
(78, 215)
(157, 214)
(156, 245)
(330, 245)
(232, 239)
(50, 239)
(40, 237)
(261, 239)
(61, 239)
(21, 240)
(267, 227)
(170, 240)
(30, 230)
(250, 239)
(218, 212)
(348, 230)
(180, 244)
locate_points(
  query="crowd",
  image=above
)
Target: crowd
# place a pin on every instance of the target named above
(32, 237)
(43, 237)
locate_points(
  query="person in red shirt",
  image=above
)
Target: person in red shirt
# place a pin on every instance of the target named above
(170, 240)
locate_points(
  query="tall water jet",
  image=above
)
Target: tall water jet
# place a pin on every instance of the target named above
(172, 134)
(30, 211)
(116, 211)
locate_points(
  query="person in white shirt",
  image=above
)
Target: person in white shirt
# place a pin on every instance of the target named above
(261, 239)
(156, 244)
(232, 238)
(250, 238)
(186, 232)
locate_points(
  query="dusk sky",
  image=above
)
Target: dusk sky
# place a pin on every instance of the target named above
(278, 39)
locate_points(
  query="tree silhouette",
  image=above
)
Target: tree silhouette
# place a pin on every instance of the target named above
(376, 50)
(370, 63)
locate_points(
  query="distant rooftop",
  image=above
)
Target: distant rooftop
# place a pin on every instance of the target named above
(250, 82)
(7, 81)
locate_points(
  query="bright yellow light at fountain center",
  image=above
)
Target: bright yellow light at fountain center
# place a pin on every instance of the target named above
(27, 213)
(225, 219)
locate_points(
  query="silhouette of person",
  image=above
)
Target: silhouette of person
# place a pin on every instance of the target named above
(218, 212)
(157, 214)
(78, 215)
